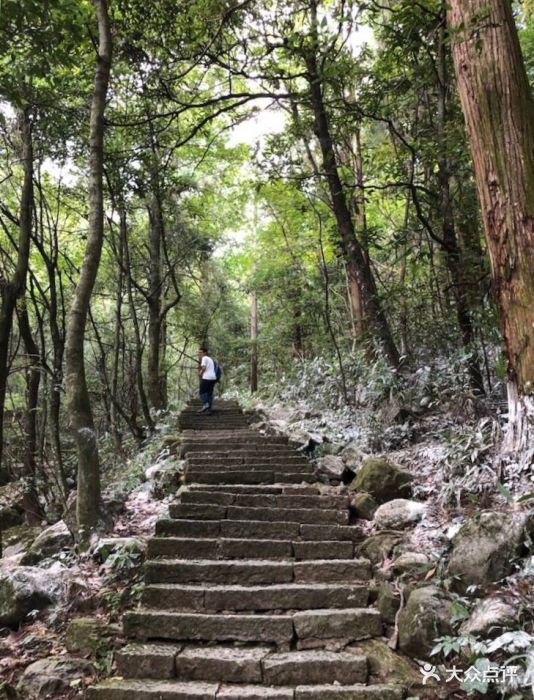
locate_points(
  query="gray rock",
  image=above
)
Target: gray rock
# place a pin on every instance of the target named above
(303, 438)
(425, 617)
(382, 479)
(53, 676)
(50, 541)
(165, 477)
(398, 514)
(353, 457)
(485, 547)
(410, 563)
(489, 617)
(363, 505)
(330, 466)
(27, 588)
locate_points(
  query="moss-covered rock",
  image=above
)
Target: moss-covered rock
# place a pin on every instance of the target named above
(89, 636)
(485, 547)
(381, 546)
(19, 535)
(388, 602)
(11, 511)
(363, 505)
(386, 666)
(425, 617)
(49, 542)
(382, 479)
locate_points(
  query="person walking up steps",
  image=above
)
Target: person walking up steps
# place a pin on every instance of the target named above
(208, 379)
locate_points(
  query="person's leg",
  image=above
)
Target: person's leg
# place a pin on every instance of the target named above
(210, 395)
(203, 394)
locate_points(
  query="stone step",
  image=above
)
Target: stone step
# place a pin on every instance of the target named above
(243, 665)
(257, 530)
(181, 511)
(240, 665)
(293, 489)
(237, 477)
(332, 571)
(222, 469)
(232, 458)
(290, 596)
(221, 548)
(245, 450)
(351, 624)
(218, 571)
(297, 515)
(272, 500)
(257, 571)
(232, 548)
(154, 660)
(148, 689)
(276, 465)
(150, 624)
(222, 663)
(311, 667)
(250, 477)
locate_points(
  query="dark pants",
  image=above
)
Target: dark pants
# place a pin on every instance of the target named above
(206, 391)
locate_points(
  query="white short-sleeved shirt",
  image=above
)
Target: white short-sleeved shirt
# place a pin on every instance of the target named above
(209, 368)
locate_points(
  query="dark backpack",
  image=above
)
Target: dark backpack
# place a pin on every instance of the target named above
(218, 371)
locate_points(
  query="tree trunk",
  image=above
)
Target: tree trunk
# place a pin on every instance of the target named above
(11, 289)
(154, 302)
(78, 399)
(135, 321)
(453, 254)
(499, 114)
(32, 508)
(353, 251)
(254, 343)
(360, 221)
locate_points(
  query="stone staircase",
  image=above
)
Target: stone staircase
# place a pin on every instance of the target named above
(253, 590)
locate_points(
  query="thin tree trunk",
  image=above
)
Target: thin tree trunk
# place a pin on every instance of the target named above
(114, 414)
(145, 408)
(154, 302)
(31, 503)
(254, 343)
(499, 114)
(11, 289)
(78, 399)
(352, 249)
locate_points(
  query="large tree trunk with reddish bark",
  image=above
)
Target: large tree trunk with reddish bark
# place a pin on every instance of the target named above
(78, 399)
(499, 114)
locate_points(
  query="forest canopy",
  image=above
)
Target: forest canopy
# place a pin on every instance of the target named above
(304, 186)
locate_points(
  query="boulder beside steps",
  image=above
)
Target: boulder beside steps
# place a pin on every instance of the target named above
(254, 590)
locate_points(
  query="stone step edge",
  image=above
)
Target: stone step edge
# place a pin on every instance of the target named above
(259, 664)
(120, 689)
